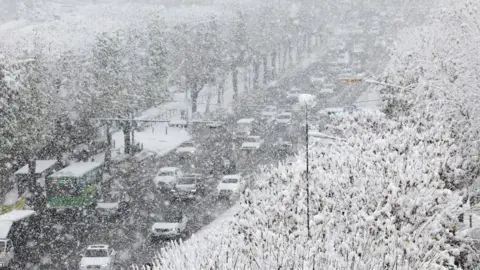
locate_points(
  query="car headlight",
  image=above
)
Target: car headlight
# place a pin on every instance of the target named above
(193, 190)
(104, 265)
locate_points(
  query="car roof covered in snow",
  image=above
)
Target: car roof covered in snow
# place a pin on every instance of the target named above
(232, 176)
(77, 169)
(168, 169)
(5, 228)
(98, 246)
(40, 167)
(245, 121)
(16, 215)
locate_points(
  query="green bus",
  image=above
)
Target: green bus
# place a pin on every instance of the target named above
(77, 185)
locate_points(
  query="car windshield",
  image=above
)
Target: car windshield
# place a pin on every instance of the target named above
(166, 174)
(284, 116)
(187, 144)
(251, 139)
(169, 217)
(96, 253)
(230, 180)
(190, 180)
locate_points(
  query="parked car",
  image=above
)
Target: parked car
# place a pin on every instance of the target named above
(98, 257)
(169, 225)
(167, 177)
(189, 186)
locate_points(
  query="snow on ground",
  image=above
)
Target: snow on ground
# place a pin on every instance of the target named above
(159, 138)
(370, 100)
(12, 196)
(218, 226)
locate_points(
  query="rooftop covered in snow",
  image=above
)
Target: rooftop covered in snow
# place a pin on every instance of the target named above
(77, 169)
(40, 167)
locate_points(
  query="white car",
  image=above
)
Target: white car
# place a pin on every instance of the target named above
(375, 30)
(269, 113)
(284, 118)
(169, 226)
(327, 89)
(346, 73)
(98, 257)
(167, 177)
(186, 148)
(357, 65)
(318, 80)
(252, 143)
(358, 49)
(230, 186)
(293, 93)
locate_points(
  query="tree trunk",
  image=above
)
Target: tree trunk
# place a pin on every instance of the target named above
(235, 83)
(285, 58)
(108, 153)
(246, 79)
(32, 177)
(256, 74)
(290, 56)
(265, 69)
(220, 93)
(274, 64)
(194, 96)
(126, 137)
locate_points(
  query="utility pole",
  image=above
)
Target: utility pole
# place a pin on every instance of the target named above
(307, 171)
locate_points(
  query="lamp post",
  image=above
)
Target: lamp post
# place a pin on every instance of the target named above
(307, 100)
(307, 173)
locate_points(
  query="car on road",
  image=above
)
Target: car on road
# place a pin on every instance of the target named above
(252, 143)
(186, 148)
(113, 206)
(189, 186)
(293, 94)
(327, 89)
(375, 30)
(358, 49)
(169, 225)
(244, 128)
(98, 257)
(331, 111)
(357, 65)
(318, 80)
(284, 118)
(269, 113)
(167, 177)
(230, 186)
(346, 73)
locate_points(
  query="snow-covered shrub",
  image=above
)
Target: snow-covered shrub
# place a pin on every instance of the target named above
(437, 66)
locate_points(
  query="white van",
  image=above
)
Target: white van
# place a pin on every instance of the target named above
(7, 220)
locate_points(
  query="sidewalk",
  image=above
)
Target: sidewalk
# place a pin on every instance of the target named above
(155, 137)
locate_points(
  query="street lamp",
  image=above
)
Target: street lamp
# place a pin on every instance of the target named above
(308, 100)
